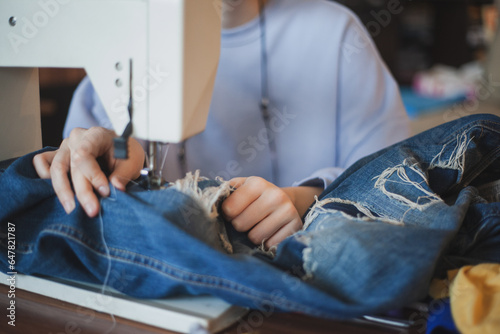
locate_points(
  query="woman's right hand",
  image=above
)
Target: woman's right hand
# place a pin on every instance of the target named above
(77, 158)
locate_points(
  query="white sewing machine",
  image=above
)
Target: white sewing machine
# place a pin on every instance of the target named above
(164, 52)
(160, 54)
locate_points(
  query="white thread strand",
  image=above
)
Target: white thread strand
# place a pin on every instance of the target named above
(108, 269)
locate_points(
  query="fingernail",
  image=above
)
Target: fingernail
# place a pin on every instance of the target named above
(69, 206)
(117, 184)
(104, 190)
(90, 209)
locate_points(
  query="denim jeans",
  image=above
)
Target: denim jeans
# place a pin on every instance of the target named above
(372, 241)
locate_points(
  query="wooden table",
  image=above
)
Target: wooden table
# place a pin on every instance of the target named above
(40, 314)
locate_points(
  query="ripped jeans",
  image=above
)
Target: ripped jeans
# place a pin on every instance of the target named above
(372, 242)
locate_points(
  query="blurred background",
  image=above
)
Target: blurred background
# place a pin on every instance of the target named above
(445, 55)
(428, 32)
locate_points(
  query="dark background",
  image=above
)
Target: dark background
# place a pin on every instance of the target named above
(425, 33)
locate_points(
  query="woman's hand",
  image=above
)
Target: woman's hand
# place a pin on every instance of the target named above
(78, 155)
(268, 213)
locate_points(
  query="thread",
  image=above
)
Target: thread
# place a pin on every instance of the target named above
(108, 257)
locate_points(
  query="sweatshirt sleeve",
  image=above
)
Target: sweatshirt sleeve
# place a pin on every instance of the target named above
(85, 110)
(321, 178)
(371, 114)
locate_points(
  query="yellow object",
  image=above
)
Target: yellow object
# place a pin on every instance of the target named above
(475, 298)
(440, 288)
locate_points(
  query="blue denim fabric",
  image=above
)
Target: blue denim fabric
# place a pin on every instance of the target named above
(372, 243)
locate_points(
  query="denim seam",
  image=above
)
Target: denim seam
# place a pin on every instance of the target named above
(490, 214)
(481, 124)
(177, 274)
(217, 282)
(74, 233)
(475, 239)
(27, 248)
(475, 170)
(200, 280)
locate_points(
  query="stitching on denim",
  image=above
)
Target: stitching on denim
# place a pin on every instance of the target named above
(482, 225)
(231, 286)
(184, 276)
(108, 257)
(21, 247)
(478, 167)
(481, 124)
(76, 234)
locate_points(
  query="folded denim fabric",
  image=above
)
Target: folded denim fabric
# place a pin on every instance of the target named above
(372, 242)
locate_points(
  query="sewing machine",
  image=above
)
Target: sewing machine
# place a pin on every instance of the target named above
(152, 63)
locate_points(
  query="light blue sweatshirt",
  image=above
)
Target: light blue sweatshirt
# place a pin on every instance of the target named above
(332, 98)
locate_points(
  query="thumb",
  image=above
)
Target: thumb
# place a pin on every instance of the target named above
(237, 182)
(124, 172)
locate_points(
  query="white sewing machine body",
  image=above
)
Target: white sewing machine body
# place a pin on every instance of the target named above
(173, 45)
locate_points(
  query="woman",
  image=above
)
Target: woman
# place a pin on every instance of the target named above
(330, 100)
